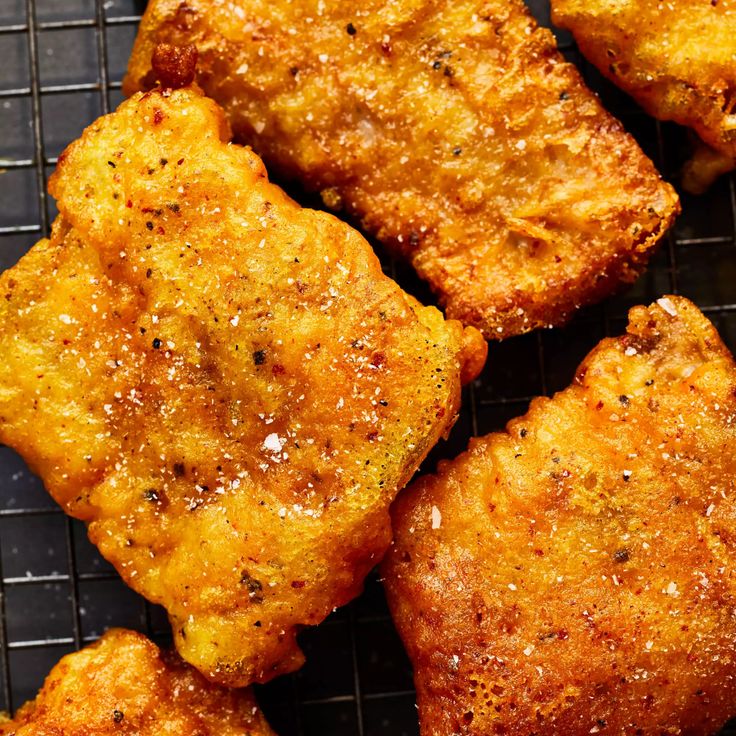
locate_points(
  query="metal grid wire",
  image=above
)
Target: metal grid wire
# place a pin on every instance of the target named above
(62, 65)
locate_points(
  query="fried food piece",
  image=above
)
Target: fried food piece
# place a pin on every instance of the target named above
(123, 684)
(575, 574)
(677, 59)
(222, 384)
(455, 133)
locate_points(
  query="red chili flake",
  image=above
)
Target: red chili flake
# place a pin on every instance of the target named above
(129, 204)
(158, 116)
(277, 369)
(180, 162)
(297, 583)
(372, 436)
(160, 230)
(378, 359)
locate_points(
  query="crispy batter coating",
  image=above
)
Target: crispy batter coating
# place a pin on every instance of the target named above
(123, 684)
(455, 132)
(676, 58)
(575, 574)
(222, 384)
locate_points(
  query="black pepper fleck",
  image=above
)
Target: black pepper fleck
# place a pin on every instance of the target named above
(117, 715)
(156, 343)
(149, 225)
(259, 357)
(254, 587)
(351, 29)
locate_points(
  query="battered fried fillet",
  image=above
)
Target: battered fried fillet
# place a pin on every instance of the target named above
(575, 574)
(676, 58)
(123, 684)
(455, 132)
(222, 384)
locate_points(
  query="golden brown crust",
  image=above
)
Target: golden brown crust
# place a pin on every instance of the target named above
(174, 66)
(455, 132)
(677, 59)
(231, 391)
(123, 684)
(574, 575)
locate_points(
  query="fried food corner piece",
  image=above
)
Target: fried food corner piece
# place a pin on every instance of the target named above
(456, 133)
(574, 574)
(704, 167)
(677, 59)
(124, 684)
(222, 384)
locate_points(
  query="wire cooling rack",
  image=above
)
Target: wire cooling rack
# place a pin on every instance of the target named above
(62, 65)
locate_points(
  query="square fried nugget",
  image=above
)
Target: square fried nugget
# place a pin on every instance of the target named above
(575, 574)
(455, 132)
(123, 684)
(222, 384)
(676, 58)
